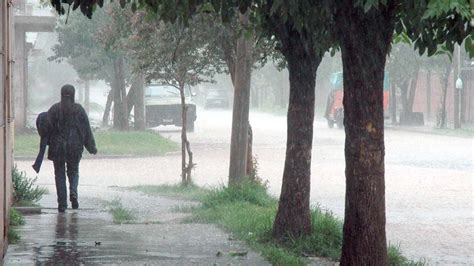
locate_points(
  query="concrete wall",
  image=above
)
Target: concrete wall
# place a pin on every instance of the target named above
(6, 121)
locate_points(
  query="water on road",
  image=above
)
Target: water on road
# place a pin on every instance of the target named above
(429, 178)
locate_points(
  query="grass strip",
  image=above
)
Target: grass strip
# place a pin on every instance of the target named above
(113, 143)
(248, 212)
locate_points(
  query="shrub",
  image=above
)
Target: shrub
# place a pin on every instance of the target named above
(25, 190)
(16, 218)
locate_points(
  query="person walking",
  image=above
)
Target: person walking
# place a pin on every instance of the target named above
(69, 132)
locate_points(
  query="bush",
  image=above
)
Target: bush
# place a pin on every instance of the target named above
(25, 190)
(16, 218)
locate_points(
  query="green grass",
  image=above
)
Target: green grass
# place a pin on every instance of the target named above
(120, 214)
(248, 212)
(13, 235)
(16, 218)
(132, 143)
(191, 192)
(396, 258)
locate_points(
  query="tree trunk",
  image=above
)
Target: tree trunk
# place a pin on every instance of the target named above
(442, 119)
(428, 95)
(404, 89)
(364, 46)
(108, 105)
(87, 96)
(186, 168)
(293, 217)
(250, 172)
(120, 93)
(393, 103)
(240, 113)
(411, 95)
(139, 111)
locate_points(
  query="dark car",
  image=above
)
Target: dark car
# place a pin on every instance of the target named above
(163, 106)
(217, 98)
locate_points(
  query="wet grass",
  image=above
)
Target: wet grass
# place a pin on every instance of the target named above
(248, 212)
(190, 192)
(110, 143)
(16, 219)
(396, 258)
(120, 214)
(13, 235)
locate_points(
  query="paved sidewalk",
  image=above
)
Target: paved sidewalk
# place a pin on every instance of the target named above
(89, 236)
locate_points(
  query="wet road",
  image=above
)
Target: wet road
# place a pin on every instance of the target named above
(429, 178)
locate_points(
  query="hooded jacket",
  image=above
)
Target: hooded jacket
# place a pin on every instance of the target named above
(69, 129)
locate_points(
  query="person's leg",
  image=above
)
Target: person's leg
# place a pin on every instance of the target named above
(60, 178)
(73, 176)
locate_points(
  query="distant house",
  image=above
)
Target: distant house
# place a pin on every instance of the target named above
(6, 122)
(429, 92)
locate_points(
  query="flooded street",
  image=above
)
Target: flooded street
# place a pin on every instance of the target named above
(429, 178)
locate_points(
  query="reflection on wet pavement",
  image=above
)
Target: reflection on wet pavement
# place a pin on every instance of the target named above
(89, 237)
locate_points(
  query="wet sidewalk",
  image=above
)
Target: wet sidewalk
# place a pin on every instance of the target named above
(89, 236)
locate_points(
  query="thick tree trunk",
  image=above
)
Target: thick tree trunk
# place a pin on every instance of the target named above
(240, 113)
(293, 218)
(364, 46)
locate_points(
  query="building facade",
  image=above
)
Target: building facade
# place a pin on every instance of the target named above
(6, 120)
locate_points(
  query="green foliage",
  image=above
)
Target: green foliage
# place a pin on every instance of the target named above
(25, 189)
(13, 236)
(16, 218)
(248, 212)
(174, 54)
(247, 192)
(120, 214)
(395, 258)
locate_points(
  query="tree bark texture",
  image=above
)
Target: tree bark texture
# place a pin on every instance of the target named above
(428, 95)
(442, 116)
(364, 46)
(120, 96)
(139, 111)
(393, 103)
(108, 106)
(240, 113)
(186, 167)
(87, 96)
(293, 217)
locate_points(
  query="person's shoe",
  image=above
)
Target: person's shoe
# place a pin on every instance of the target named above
(74, 203)
(61, 209)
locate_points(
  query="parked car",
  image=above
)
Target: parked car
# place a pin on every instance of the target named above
(217, 98)
(163, 106)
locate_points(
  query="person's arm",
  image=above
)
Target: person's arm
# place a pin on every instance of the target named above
(89, 141)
